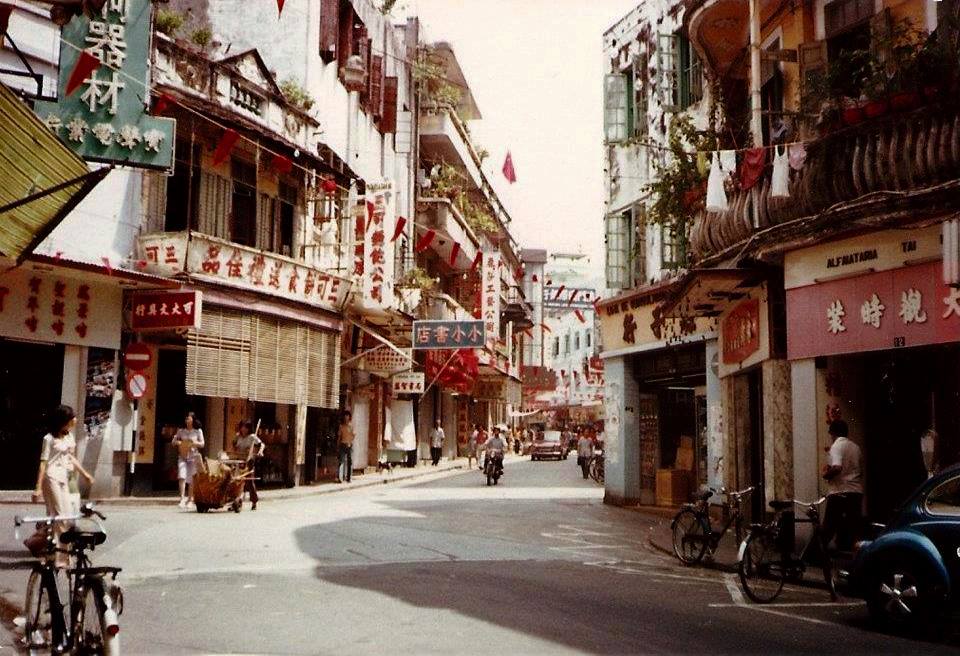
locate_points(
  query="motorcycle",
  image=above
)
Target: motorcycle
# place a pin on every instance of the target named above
(493, 468)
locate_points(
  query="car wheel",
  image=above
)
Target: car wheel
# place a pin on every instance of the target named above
(901, 597)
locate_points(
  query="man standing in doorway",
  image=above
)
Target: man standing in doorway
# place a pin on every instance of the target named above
(842, 472)
(436, 442)
(345, 448)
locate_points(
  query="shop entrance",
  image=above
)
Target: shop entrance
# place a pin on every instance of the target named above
(173, 403)
(31, 381)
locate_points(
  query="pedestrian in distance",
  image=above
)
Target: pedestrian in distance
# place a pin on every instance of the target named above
(437, 436)
(250, 447)
(473, 446)
(843, 514)
(345, 448)
(585, 453)
(58, 467)
(481, 444)
(189, 441)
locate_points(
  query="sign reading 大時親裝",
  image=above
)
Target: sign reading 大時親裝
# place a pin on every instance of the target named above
(104, 119)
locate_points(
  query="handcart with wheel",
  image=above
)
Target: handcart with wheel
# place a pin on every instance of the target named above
(220, 483)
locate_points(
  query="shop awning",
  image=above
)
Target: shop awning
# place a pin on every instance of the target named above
(705, 292)
(42, 179)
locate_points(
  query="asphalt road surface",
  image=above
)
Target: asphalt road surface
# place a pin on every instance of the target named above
(535, 565)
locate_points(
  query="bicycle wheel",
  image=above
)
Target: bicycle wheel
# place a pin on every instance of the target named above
(93, 632)
(689, 536)
(761, 568)
(38, 628)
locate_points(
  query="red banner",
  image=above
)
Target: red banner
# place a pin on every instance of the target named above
(165, 310)
(741, 332)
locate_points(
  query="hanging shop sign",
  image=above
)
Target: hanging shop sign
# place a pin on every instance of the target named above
(409, 382)
(490, 296)
(104, 118)
(432, 334)
(538, 379)
(740, 331)
(50, 308)
(910, 306)
(374, 223)
(226, 263)
(385, 361)
(490, 389)
(165, 310)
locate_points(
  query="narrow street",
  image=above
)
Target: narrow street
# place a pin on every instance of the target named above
(446, 565)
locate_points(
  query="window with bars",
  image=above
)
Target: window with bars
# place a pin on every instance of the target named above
(615, 107)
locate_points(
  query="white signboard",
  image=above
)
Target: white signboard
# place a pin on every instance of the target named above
(379, 219)
(410, 382)
(490, 296)
(383, 360)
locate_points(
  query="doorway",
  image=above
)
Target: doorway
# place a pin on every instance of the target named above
(173, 403)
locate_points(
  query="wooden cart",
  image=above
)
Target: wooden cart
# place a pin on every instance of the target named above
(220, 483)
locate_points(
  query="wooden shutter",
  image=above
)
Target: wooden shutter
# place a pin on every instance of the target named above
(375, 81)
(263, 359)
(218, 355)
(329, 29)
(365, 45)
(323, 358)
(267, 229)
(388, 124)
(154, 201)
(216, 204)
(841, 15)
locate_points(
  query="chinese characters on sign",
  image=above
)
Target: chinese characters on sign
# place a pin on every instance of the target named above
(410, 382)
(383, 360)
(448, 334)
(490, 296)
(378, 251)
(230, 264)
(104, 120)
(741, 332)
(909, 306)
(165, 310)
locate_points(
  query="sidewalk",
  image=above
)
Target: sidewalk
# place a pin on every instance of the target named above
(394, 475)
(660, 538)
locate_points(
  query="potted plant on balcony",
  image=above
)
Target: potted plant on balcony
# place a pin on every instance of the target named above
(412, 284)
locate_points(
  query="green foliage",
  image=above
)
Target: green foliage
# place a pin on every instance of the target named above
(429, 72)
(168, 22)
(483, 153)
(447, 182)
(201, 36)
(479, 220)
(295, 94)
(387, 7)
(416, 278)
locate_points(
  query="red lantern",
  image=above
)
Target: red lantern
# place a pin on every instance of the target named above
(329, 186)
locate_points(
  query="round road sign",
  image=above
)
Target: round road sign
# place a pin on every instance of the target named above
(137, 357)
(137, 386)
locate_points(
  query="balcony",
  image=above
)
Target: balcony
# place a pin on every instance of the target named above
(900, 166)
(439, 214)
(517, 309)
(443, 138)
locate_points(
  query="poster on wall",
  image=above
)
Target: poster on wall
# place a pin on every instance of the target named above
(100, 384)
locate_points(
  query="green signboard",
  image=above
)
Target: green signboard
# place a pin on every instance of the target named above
(104, 119)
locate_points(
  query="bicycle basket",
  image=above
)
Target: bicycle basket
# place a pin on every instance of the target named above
(38, 543)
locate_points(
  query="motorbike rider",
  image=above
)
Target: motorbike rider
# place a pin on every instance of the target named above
(494, 448)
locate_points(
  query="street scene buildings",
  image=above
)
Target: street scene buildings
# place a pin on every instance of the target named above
(340, 262)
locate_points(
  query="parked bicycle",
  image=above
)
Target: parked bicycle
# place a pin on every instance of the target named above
(693, 531)
(596, 467)
(771, 554)
(86, 622)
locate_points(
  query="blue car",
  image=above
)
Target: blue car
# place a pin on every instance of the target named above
(909, 574)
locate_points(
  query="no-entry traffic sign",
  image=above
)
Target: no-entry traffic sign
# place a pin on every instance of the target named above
(136, 386)
(137, 357)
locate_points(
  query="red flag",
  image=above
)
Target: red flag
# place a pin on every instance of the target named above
(559, 291)
(163, 102)
(595, 304)
(580, 316)
(573, 295)
(5, 17)
(546, 327)
(477, 260)
(401, 222)
(508, 171)
(106, 263)
(518, 274)
(454, 252)
(528, 332)
(281, 164)
(370, 209)
(424, 242)
(227, 140)
(280, 7)
(85, 65)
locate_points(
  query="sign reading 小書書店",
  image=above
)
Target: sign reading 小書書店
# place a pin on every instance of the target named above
(384, 360)
(104, 119)
(165, 310)
(490, 296)
(215, 260)
(409, 382)
(430, 334)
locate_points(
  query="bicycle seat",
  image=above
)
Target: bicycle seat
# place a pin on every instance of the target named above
(779, 504)
(85, 539)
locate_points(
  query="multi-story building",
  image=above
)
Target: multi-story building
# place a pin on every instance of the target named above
(827, 273)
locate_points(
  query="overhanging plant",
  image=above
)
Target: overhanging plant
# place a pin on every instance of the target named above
(416, 278)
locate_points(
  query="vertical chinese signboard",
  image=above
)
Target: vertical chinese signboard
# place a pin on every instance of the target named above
(104, 119)
(490, 297)
(373, 251)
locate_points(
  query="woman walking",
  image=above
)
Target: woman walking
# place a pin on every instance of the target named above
(189, 441)
(58, 462)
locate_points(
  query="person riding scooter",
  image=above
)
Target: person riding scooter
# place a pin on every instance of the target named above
(493, 449)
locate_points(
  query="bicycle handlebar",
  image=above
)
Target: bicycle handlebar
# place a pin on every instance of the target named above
(86, 511)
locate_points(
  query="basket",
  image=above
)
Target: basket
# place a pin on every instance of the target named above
(215, 489)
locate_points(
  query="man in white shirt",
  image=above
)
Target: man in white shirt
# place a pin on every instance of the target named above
(585, 453)
(494, 448)
(843, 514)
(436, 442)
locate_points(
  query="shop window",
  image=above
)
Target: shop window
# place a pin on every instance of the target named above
(183, 189)
(945, 499)
(243, 224)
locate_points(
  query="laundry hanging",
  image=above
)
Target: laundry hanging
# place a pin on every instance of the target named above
(716, 194)
(728, 161)
(780, 179)
(751, 168)
(797, 156)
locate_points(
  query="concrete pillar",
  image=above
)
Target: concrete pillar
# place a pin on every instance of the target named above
(715, 441)
(777, 430)
(805, 423)
(621, 434)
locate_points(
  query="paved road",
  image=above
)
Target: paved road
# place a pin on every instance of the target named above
(536, 565)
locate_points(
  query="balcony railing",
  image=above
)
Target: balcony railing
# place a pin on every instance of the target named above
(888, 158)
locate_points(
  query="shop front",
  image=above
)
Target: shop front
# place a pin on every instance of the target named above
(874, 340)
